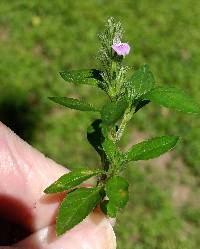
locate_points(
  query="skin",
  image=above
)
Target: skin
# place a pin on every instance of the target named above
(24, 174)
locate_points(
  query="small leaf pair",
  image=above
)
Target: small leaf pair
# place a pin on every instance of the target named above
(86, 76)
(141, 89)
(110, 112)
(79, 202)
(144, 150)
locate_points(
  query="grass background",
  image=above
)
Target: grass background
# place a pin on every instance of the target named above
(40, 38)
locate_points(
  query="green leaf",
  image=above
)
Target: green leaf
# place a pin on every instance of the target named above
(109, 208)
(112, 152)
(75, 207)
(117, 191)
(71, 180)
(113, 111)
(151, 148)
(74, 104)
(86, 76)
(172, 97)
(141, 82)
(110, 149)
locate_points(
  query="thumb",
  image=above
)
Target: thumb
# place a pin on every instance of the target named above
(93, 233)
(24, 174)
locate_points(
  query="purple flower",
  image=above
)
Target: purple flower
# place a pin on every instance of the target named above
(121, 48)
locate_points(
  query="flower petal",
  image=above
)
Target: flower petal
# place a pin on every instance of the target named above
(121, 48)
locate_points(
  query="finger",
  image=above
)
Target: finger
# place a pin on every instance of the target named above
(24, 174)
(93, 232)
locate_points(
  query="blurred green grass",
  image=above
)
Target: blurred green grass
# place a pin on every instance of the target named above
(40, 38)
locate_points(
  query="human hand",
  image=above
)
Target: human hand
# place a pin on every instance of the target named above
(24, 174)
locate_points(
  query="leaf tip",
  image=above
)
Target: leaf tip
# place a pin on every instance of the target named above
(59, 232)
(46, 191)
(177, 139)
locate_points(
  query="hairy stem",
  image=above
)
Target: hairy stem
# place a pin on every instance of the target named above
(127, 116)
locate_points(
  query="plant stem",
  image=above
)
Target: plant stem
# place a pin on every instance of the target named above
(127, 116)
